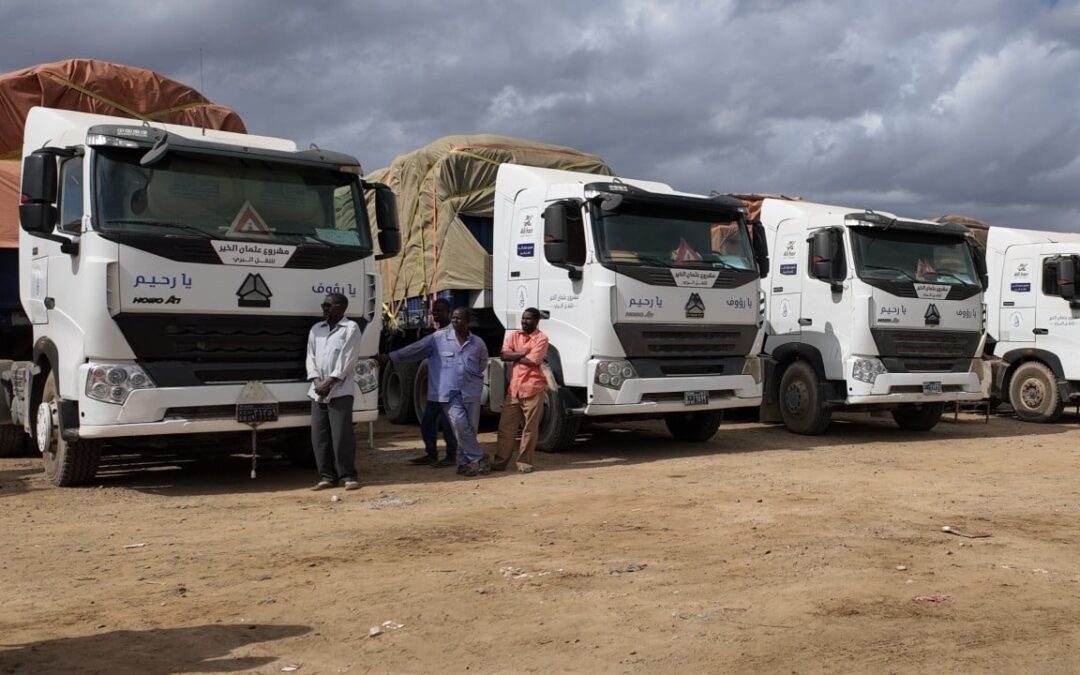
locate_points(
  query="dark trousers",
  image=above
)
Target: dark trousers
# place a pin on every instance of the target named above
(333, 439)
(434, 417)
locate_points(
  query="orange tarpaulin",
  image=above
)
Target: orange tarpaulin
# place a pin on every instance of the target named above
(86, 85)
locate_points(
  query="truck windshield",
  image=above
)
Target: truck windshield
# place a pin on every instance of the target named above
(899, 255)
(226, 198)
(673, 239)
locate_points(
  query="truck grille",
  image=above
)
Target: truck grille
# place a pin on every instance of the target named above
(929, 344)
(190, 350)
(658, 341)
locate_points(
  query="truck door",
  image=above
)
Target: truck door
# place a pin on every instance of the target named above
(1057, 325)
(523, 277)
(1019, 289)
(785, 292)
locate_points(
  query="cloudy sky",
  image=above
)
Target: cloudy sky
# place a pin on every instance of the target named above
(919, 107)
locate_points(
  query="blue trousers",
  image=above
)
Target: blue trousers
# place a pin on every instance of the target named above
(434, 417)
(464, 418)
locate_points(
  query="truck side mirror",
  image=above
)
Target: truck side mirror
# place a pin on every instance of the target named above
(386, 218)
(979, 256)
(39, 178)
(761, 248)
(37, 212)
(556, 250)
(827, 258)
(1066, 278)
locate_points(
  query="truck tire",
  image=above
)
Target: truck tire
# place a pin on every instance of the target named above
(12, 440)
(696, 426)
(801, 406)
(397, 392)
(67, 463)
(419, 393)
(1033, 393)
(919, 417)
(558, 428)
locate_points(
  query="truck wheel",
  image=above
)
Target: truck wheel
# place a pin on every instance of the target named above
(419, 393)
(919, 418)
(67, 463)
(801, 406)
(396, 390)
(695, 426)
(12, 440)
(1033, 393)
(558, 428)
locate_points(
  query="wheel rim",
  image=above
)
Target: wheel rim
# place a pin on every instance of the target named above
(1032, 394)
(44, 427)
(796, 397)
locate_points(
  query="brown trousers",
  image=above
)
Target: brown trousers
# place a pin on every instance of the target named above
(513, 410)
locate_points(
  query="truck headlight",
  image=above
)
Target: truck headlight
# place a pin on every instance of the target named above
(112, 382)
(366, 375)
(612, 374)
(867, 370)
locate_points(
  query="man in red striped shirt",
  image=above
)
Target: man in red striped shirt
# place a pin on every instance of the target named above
(526, 350)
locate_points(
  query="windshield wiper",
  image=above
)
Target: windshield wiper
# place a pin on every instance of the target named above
(161, 223)
(891, 269)
(950, 274)
(305, 237)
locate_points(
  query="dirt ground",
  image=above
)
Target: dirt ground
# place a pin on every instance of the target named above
(759, 551)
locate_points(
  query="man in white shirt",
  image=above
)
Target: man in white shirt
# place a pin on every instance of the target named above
(331, 357)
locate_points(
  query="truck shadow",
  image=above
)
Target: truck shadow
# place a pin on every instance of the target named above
(159, 651)
(15, 475)
(209, 471)
(642, 442)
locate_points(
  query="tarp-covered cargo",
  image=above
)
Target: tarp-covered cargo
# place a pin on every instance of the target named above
(978, 228)
(86, 85)
(437, 185)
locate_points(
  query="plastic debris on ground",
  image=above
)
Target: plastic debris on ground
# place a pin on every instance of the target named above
(391, 502)
(627, 569)
(936, 598)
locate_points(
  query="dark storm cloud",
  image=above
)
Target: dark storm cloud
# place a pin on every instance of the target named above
(922, 108)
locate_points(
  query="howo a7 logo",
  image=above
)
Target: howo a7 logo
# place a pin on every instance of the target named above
(932, 316)
(695, 307)
(253, 292)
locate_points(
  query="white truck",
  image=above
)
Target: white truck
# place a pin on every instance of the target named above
(650, 297)
(1033, 320)
(868, 312)
(164, 268)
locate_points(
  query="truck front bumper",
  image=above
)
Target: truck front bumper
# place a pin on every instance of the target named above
(658, 395)
(908, 387)
(195, 410)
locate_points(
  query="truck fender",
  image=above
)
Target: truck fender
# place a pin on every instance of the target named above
(45, 350)
(1017, 356)
(554, 361)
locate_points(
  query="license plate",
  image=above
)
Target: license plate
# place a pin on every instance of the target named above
(256, 413)
(696, 398)
(931, 387)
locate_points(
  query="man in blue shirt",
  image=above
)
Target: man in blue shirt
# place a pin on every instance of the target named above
(458, 364)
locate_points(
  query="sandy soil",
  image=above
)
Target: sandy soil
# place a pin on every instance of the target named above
(759, 551)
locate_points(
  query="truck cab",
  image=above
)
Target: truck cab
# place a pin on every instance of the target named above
(650, 297)
(1034, 320)
(164, 268)
(868, 312)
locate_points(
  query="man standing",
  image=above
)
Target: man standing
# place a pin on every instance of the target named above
(434, 417)
(331, 357)
(457, 362)
(526, 349)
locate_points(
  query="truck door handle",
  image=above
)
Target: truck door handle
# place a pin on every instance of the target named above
(515, 275)
(1040, 331)
(806, 322)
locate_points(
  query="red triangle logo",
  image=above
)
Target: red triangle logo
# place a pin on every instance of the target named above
(248, 221)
